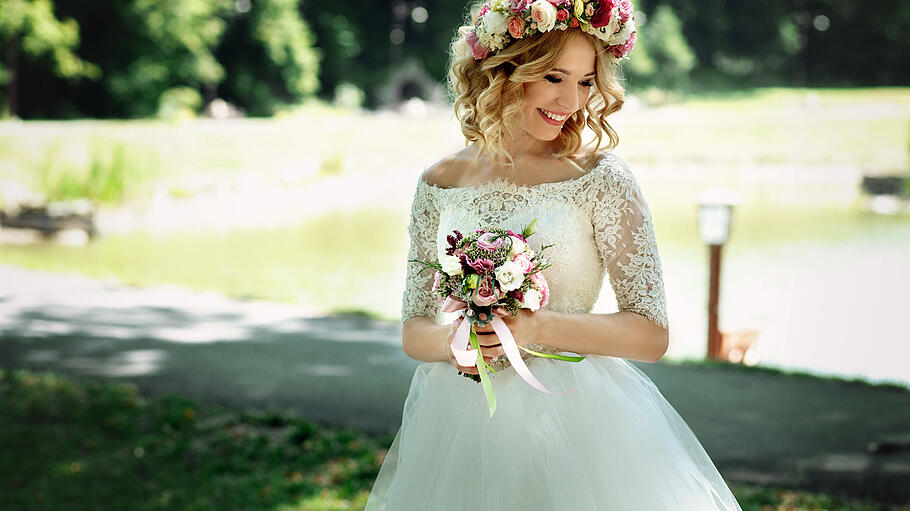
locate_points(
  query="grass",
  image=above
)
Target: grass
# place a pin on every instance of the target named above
(87, 444)
(863, 127)
(71, 443)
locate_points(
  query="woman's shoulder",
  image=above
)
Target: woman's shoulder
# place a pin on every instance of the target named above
(609, 169)
(447, 172)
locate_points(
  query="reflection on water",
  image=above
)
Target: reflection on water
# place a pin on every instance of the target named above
(825, 289)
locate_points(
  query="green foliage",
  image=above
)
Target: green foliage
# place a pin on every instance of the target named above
(78, 444)
(269, 56)
(171, 45)
(662, 57)
(31, 27)
(69, 443)
(179, 103)
(113, 172)
(260, 60)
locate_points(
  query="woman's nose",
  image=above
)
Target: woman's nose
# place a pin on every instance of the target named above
(568, 99)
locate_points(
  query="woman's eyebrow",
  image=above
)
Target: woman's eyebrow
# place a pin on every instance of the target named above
(563, 71)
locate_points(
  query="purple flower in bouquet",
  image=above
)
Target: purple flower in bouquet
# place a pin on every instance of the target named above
(481, 265)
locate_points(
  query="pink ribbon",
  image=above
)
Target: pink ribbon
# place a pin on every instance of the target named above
(468, 357)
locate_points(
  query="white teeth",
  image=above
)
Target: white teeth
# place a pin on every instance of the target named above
(554, 116)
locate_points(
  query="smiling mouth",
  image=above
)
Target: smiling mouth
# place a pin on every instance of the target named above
(552, 118)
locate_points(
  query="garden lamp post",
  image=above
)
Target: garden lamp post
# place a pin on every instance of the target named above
(715, 214)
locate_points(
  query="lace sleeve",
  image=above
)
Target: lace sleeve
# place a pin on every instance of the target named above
(625, 239)
(418, 298)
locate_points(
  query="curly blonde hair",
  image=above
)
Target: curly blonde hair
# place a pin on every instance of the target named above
(487, 94)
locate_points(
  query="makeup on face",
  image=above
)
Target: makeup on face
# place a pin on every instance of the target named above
(551, 101)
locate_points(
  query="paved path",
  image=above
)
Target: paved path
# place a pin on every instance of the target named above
(757, 426)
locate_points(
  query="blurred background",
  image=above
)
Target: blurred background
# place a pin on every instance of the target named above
(267, 151)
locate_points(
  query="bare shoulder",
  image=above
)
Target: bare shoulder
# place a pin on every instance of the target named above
(448, 172)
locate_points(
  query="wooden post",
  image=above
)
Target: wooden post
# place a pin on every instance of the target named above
(714, 352)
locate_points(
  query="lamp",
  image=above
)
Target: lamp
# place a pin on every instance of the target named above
(715, 215)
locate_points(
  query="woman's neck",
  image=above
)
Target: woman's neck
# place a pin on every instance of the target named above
(521, 146)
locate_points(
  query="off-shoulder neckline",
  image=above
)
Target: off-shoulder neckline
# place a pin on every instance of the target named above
(501, 182)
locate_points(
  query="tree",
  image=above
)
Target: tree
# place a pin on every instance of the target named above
(171, 44)
(31, 28)
(662, 56)
(269, 57)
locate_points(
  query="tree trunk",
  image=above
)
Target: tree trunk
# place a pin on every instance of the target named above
(10, 57)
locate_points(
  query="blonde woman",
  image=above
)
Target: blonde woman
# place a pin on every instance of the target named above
(528, 77)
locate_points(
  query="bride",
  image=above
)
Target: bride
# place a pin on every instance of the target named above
(528, 77)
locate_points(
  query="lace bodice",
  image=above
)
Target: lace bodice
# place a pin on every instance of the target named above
(599, 223)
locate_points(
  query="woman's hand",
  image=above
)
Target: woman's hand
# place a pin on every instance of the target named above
(523, 327)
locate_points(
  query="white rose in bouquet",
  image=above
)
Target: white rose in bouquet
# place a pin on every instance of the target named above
(532, 299)
(510, 276)
(451, 265)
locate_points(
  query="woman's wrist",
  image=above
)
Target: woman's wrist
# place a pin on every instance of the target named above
(548, 326)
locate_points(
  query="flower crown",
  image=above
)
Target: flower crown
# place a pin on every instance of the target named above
(500, 22)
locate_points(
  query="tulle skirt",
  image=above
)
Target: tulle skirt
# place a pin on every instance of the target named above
(612, 443)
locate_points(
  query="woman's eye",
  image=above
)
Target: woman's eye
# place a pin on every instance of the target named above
(556, 79)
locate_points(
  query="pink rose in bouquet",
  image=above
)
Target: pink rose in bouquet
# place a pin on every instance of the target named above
(485, 294)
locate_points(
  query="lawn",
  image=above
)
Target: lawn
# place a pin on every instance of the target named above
(75, 443)
(861, 127)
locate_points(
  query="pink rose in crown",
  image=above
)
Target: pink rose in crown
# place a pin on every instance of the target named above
(625, 10)
(485, 294)
(518, 5)
(562, 14)
(557, 3)
(603, 13)
(541, 284)
(621, 50)
(478, 50)
(516, 27)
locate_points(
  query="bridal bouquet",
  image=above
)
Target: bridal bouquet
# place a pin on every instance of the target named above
(485, 275)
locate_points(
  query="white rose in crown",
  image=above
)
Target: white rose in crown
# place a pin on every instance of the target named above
(495, 23)
(544, 14)
(451, 265)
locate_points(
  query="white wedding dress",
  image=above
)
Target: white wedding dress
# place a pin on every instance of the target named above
(611, 444)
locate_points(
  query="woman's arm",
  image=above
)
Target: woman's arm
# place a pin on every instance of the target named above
(424, 340)
(622, 334)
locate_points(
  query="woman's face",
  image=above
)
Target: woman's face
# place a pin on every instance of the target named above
(550, 101)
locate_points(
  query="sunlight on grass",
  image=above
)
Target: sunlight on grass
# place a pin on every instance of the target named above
(151, 454)
(865, 127)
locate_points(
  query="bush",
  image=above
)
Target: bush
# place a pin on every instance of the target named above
(179, 103)
(113, 172)
(662, 56)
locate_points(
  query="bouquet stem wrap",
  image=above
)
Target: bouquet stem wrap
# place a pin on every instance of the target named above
(466, 357)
